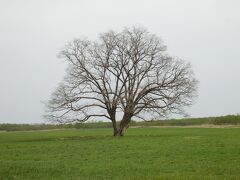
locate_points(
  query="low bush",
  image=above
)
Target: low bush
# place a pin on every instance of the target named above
(221, 120)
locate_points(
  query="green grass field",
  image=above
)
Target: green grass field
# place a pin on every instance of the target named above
(143, 153)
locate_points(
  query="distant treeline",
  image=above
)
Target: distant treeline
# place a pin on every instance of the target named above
(221, 120)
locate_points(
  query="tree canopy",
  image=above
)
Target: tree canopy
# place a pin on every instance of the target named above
(121, 76)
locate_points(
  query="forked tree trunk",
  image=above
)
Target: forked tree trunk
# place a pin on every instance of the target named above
(119, 132)
(124, 124)
(122, 130)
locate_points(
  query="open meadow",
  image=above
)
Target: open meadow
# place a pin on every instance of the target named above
(143, 153)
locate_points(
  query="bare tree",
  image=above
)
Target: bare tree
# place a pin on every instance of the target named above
(126, 74)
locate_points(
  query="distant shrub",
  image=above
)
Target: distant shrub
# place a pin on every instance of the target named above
(221, 120)
(93, 125)
(229, 119)
(27, 127)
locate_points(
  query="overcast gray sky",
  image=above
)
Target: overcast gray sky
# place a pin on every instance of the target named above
(205, 33)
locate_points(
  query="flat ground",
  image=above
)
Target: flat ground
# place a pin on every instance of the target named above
(144, 153)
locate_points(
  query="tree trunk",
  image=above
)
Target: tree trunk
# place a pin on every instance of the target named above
(115, 132)
(121, 130)
(124, 124)
(115, 129)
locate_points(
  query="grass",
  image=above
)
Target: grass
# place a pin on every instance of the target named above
(144, 153)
